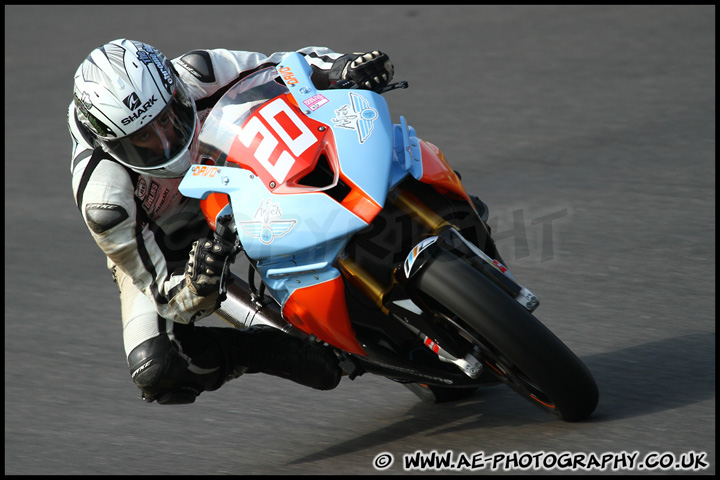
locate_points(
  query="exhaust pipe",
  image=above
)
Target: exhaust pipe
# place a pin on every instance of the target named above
(243, 309)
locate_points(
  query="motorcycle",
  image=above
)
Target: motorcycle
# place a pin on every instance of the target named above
(364, 238)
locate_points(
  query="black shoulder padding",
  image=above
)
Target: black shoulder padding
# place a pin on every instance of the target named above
(101, 217)
(199, 64)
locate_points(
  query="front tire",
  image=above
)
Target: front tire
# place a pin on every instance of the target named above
(515, 346)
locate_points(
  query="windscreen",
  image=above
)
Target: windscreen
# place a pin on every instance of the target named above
(226, 118)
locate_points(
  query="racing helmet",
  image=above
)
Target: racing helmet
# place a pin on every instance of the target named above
(129, 96)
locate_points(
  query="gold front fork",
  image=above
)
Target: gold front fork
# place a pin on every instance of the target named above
(361, 278)
(419, 212)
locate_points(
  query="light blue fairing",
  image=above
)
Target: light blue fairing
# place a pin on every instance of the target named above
(296, 238)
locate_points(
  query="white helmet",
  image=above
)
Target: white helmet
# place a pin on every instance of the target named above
(131, 99)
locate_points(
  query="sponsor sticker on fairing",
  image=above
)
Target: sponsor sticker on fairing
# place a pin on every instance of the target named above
(415, 252)
(315, 102)
(358, 115)
(288, 76)
(267, 223)
(205, 171)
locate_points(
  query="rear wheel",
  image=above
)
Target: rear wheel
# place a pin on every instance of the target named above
(510, 341)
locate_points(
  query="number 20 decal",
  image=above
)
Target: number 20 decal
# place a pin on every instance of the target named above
(298, 145)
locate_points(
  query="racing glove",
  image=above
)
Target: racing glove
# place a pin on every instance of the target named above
(207, 270)
(371, 70)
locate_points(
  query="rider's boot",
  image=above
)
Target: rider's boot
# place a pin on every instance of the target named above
(197, 359)
(268, 350)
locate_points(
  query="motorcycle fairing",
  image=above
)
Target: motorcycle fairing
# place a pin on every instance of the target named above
(276, 135)
(214, 206)
(320, 309)
(407, 157)
(359, 120)
(437, 172)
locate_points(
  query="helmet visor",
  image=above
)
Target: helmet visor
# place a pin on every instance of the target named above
(160, 141)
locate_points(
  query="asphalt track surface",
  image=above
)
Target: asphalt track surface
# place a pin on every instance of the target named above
(590, 133)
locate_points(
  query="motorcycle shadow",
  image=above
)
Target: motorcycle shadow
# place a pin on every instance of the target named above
(654, 377)
(633, 381)
(487, 408)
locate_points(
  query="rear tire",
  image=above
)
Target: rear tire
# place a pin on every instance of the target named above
(515, 346)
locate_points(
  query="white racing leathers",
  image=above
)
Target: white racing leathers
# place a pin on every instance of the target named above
(143, 224)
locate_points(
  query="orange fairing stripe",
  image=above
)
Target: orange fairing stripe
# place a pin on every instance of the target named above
(438, 173)
(360, 203)
(320, 310)
(212, 206)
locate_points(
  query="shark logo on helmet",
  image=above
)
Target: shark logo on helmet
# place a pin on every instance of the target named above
(132, 101)
(139, 113)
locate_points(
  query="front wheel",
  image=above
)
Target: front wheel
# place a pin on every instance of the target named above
(511, 342)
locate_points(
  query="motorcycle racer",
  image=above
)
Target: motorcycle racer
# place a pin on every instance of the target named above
(134, 122)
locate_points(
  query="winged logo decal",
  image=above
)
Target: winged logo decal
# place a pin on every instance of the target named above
(358, 115)
(267, 223)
